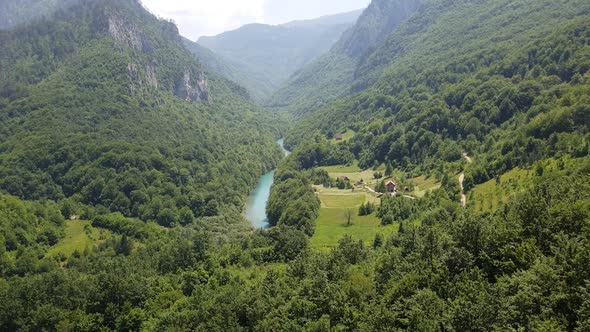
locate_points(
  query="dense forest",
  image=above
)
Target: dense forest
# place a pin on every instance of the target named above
(126, 162)
(510, 102)
(107, 130)
(522, 267)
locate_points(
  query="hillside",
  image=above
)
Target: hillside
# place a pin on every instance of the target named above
(330, 76)
(487, 86)
(437, 178)
(18, 12)
(104, 106)
(253, 82)
(269, 55)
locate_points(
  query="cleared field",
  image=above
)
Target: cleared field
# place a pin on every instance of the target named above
(422, 185)
(342, 168)
(344, 200)
(490, 195)
(345, 137)
(331, 225)
(78, 238)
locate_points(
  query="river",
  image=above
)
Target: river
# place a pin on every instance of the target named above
(256, 207)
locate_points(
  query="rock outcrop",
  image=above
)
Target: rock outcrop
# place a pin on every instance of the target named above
(186, 80)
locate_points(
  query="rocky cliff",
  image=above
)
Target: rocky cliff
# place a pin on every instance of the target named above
(185, 80)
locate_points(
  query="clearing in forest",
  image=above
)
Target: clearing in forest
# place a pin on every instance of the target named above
(79, 236)
(332, 225)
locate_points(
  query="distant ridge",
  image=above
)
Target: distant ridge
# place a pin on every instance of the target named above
(267, 55)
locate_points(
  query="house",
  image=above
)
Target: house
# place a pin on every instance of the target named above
(338, 137)
(406, 188)
(344, 178)
(391, 186)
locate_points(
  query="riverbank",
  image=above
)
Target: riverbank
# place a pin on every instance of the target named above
(255, 210)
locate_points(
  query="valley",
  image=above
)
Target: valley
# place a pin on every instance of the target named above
(414, 165)
(256, 207)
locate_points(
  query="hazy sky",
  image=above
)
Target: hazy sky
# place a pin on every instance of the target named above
(197, 18)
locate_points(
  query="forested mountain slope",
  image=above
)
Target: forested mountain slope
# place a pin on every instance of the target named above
(253, 82)
(128, 167)
(330, 76)
(268, 55)
(502, 80)
(18, 12)
(102, 104)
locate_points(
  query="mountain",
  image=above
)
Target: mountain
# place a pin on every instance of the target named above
(330, 76)
(443, 185)
(328, 20)
(101, 104)
(268, 55)
(18, 12)
(436, 88)
(245, 77)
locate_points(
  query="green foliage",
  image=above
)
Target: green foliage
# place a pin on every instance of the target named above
(367, 209)
(330, 76)
(292, 202)
(28, 224)
(77, 134)
(516, 94)
(91, 126)
(457, 271)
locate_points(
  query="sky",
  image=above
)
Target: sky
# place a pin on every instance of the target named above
(197, 18)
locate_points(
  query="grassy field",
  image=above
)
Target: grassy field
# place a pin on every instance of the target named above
(79, 235)
(422, 185)
(490, 195)
(354, 173)
(345, 199)
(331, 225)
(345, 136)
(342, 168)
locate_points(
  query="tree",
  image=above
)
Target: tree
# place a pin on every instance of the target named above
(381, 187)
(388, 169)
(212, 208)
(125, 246)
(378, 241)
(348, 217)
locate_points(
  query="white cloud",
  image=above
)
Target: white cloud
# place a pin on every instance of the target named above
(207, 17)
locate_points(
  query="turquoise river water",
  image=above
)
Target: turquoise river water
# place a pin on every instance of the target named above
(256, 207)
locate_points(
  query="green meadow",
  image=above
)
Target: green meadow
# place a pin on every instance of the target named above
(79, 236)
(331, 225)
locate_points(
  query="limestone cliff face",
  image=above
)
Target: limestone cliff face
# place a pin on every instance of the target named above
(185, 79)
(193, 87)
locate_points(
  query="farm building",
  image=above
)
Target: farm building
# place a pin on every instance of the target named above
(391, 186)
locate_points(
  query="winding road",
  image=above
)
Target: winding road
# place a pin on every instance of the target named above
(462, 179)
(463, 197)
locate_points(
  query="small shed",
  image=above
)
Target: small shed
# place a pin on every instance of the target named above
(338, 137)
(391, 186)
